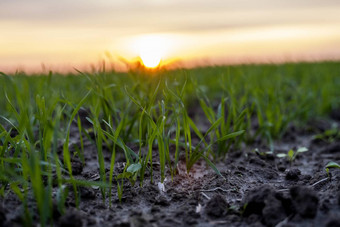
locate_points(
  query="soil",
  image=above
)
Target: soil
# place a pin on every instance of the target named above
(259, 189)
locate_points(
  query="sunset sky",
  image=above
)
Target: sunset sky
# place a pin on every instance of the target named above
(64, 34)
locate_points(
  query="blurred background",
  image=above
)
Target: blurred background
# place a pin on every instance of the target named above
(39, 35)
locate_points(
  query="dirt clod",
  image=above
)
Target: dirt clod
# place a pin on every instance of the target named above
(305, 201)
(335, 114)
(162, 201)
(77, 166)
(293, 174)
(255, 192)
(138, 221)
(332, 148)
(87, 193)
(2, 215)
(255, 200)
(270, 207)
(333, 222)
(71, 218)
(216, 206)
(273, 212)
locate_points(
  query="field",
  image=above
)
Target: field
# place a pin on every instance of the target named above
(231, 145)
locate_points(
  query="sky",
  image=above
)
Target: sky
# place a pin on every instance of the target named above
(36, 35)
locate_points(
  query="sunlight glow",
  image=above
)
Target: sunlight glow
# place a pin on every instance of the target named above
(151, 59)
(152, 49)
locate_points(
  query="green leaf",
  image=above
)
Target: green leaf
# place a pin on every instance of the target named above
(196, 130)
(214, 126)
(209, 113)
(231, 135)
(213, 166)
(332, 165)
(123, 175)
(86, 183)
(290, 153)
(133, 168)
(302, 149)
(281, 155)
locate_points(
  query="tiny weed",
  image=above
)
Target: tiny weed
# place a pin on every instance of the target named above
(329, 136)
(131, 173)
(291, 154)
(331, 165)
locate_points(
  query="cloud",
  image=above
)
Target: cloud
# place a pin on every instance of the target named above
(65, 10)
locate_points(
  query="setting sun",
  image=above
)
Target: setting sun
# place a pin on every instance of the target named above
(151, 50)
(150, 59)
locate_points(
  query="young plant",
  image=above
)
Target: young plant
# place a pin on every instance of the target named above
(130, 173)
(120, 189)
(331, 165)
(329, 136)
(291, 154)
(66, 152)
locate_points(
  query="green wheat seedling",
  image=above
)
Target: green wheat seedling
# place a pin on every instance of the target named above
(144, 117)
(66, 152)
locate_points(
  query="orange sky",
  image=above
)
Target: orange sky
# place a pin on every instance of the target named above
(62, 34)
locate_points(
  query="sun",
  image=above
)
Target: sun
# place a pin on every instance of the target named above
(150, 59)
(152, 49)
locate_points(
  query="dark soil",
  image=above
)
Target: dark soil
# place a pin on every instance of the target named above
(259, 189)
